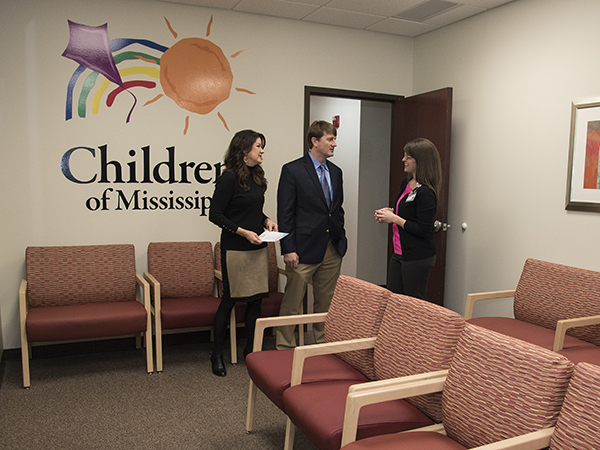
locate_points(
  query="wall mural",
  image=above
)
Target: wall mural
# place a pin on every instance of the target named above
(193, 72)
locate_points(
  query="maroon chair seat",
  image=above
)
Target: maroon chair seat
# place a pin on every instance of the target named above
(92, 320)
(188, 312)
(271, 372)
(317, 409)
(575, 349)
(415, 440)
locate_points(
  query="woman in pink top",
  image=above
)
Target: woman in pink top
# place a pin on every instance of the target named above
(412, 220)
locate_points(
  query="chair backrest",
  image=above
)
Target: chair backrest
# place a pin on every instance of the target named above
(548, 292)
(183, 269)
(416, 337)
(499, 387)
(355, 312)
(273, 269)
(69, 275)
(578, 424)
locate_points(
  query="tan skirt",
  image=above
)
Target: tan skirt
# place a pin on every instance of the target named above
(247, 272)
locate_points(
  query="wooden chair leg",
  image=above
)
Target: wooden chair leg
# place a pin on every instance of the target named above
(158, 343)
(233, 336)
(290, 433)
(149, 352)
(252, 391)
(25, 355)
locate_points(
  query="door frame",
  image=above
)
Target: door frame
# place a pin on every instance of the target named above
(397, 135)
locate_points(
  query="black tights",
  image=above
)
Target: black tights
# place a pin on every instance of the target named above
(221, 322)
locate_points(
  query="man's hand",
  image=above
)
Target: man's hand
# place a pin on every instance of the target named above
(291, 259)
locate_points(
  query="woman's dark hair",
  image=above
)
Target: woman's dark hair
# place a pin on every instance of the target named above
(235, 157)
(429, 166)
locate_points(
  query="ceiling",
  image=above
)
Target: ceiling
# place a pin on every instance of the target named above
(401, 17)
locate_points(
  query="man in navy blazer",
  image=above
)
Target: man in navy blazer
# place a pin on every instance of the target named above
(309, 208)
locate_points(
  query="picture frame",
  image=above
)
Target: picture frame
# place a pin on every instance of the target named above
(583, 180)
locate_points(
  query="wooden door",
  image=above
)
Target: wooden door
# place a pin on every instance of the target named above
(427, 115)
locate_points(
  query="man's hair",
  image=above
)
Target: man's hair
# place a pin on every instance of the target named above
(317, 129)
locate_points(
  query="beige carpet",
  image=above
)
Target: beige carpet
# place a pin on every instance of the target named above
(106, 400)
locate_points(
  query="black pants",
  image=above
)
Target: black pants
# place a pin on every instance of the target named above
(253, 311)
(409, 277)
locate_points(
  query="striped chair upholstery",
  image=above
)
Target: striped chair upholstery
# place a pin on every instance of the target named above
(561, 292)
(82, 292)
(355, 312)
(414, 337)
(182, 277)
(75, 275)
(494, 376)
(497, 388)
(417, 337)
(578, 425)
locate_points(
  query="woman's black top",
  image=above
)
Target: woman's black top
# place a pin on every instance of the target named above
(232, 207)
(418, 208)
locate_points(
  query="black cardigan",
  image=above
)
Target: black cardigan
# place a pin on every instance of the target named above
(417, 237)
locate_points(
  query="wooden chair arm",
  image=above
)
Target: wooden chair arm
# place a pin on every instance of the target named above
(382, 384)
(155, 297)
(23, 307)
(402, 388)
(530, 441)
(301, 353)
(472, 298)
(563, 325)
(266, 322)
(145, 286)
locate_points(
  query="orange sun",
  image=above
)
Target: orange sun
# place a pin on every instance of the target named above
(196, 75)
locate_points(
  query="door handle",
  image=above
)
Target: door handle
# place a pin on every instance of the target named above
(437, 226)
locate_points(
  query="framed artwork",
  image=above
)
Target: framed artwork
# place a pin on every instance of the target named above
(583, 181)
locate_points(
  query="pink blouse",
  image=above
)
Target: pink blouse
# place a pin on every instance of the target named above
(395, 232)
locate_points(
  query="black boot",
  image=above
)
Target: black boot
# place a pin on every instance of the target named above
(218, 367)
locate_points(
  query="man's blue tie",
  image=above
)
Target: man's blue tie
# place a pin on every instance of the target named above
(325, 185)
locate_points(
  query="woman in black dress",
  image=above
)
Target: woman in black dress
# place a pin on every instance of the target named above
(237, 208)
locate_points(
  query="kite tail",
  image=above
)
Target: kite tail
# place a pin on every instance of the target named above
(133, 107)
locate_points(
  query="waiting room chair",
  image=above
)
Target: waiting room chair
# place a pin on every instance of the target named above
(497, 388)
(270, 306)
(555, 306)
(355, 313)
(182, 279)
(82, 292)
(415, 337)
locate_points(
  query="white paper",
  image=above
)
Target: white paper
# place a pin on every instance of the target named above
(272, 236)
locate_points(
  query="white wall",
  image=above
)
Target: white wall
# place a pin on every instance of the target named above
(39, 206)
(515, 71)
